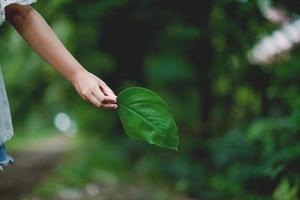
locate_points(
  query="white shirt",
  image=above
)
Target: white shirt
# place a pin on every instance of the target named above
(6, 127)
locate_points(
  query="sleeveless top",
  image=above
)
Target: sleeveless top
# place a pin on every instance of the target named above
(6, 128)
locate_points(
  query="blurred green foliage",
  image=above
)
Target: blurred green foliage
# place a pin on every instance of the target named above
(238, 123)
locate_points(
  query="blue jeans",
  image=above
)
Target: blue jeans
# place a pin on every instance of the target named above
(5, 159)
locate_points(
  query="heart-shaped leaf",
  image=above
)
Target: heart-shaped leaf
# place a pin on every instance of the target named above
(145, 116)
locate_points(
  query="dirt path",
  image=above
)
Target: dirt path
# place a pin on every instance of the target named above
(31, 166)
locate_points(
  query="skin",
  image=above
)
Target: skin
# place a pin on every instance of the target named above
(38, 34)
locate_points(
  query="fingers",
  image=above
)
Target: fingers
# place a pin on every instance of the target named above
(105, 101)
(110, 106)
(97, 98)
(105, 89)
(102, 98)
(95, 91)
(94, 100)
(102, 104)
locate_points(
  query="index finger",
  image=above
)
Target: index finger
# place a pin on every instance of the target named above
(106, 90)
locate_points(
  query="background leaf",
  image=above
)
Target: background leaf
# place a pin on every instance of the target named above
(146, 116)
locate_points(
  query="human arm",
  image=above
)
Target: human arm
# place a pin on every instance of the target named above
(38, 34)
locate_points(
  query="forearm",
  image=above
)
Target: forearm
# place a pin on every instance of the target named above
(35, 30)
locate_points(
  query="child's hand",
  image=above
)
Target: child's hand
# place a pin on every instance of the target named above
(93, 89)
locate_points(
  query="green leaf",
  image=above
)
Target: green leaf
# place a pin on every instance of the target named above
(145, 116)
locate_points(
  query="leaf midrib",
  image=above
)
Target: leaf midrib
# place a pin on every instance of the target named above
(148, 122)
(140, 116)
